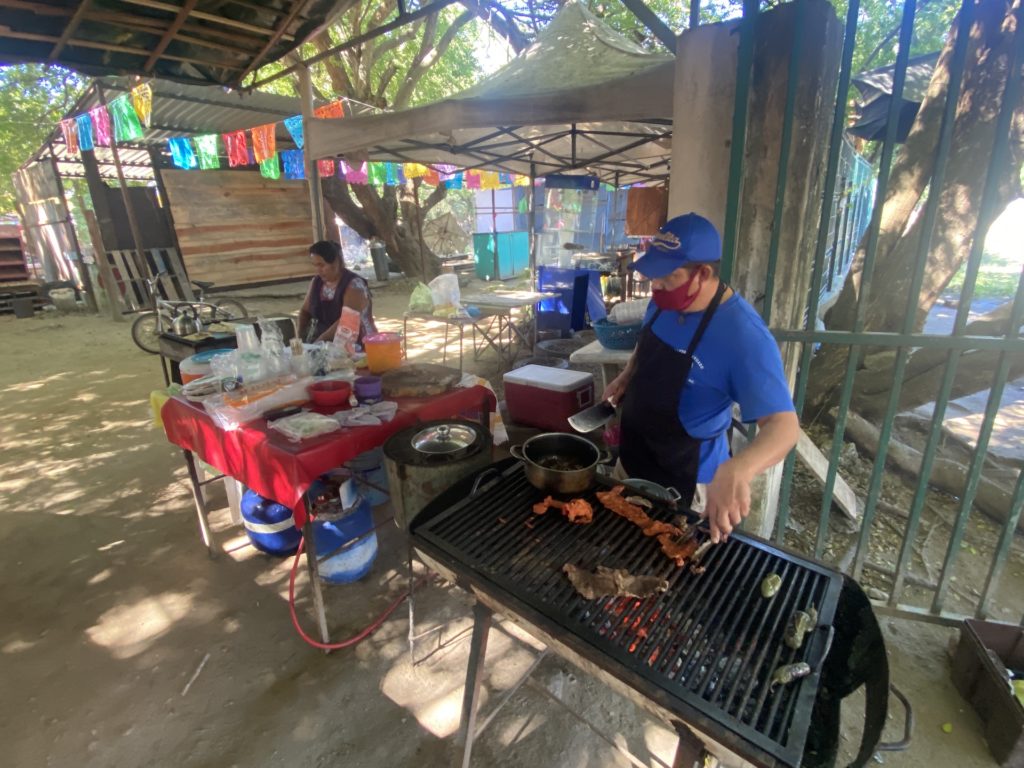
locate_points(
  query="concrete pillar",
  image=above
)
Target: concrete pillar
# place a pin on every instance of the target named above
(704, 98)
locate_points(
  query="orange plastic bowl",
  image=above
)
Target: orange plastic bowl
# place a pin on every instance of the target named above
(330, 393)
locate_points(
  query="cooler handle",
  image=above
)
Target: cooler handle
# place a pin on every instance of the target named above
(585, 397)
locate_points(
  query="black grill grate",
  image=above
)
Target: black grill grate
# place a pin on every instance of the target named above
(711, 642)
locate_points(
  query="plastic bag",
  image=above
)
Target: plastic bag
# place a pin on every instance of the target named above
(628, 312)
(421, 299)
(305, 425)
(244, 404)
(444, 292)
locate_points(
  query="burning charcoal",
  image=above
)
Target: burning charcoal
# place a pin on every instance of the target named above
(616, 582)
(800, 623)
(787, 674)
(770, 585)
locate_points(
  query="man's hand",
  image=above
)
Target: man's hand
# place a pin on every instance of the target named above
(616, 388)
(728, 500)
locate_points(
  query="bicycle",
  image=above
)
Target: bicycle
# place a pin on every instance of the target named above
(150, 324)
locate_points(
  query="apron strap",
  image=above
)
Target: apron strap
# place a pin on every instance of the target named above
(706, 319)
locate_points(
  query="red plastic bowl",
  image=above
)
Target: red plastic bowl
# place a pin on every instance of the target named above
(330, 393)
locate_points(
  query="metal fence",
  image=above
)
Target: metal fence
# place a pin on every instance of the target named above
(971, 554)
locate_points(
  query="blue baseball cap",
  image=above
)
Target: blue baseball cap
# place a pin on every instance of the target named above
(683, 240)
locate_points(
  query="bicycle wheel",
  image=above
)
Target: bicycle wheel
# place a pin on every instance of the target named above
(145, 333)
(230, 309)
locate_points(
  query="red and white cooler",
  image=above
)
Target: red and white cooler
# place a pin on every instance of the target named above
(543, 397)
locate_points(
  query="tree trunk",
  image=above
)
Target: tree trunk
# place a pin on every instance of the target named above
(925, 369)
(984, 81)
(372, 214)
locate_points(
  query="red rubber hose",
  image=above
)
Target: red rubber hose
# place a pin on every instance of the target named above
(355, 639)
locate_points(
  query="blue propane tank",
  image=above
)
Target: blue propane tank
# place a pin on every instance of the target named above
(269, 525)
(354, 561)
(370, 466)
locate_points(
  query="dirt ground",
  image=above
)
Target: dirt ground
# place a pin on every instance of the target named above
(123, 644)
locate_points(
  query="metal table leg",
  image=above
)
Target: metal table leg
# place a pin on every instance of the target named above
(482, 618)
(690, 751)
(197, 496)
(314, 579)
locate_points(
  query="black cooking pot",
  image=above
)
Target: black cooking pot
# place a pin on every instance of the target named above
(559, 462)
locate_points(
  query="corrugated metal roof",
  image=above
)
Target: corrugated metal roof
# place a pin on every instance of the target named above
(192, 41)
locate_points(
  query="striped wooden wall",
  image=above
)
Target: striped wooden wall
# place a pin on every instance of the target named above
(237, 228)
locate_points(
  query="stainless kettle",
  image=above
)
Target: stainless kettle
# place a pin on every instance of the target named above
(186, 322)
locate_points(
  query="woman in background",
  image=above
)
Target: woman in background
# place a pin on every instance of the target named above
(335, 287)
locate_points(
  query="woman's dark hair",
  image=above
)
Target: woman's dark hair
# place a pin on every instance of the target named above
(328, 250)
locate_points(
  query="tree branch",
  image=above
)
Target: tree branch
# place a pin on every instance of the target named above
(500, 20)
(428, 55)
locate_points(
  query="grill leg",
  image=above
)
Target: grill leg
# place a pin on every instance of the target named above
(482, 617)
(690, 751)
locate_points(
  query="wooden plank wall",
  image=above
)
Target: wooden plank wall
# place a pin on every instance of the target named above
(237, 228)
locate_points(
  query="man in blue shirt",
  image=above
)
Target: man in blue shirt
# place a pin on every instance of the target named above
(702, 349)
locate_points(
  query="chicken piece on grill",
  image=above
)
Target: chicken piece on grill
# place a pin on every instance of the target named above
(542, 506)
(578, 511)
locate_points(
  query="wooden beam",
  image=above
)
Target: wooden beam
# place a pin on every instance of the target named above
(297, 6)
(172, 30)
(817, 462)
(213, 19)
(69, 30)
(92, 44)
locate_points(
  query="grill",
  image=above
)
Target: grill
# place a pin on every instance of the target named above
(704, 651)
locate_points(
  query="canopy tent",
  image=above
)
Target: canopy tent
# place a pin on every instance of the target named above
(197, 41)
(581, 98)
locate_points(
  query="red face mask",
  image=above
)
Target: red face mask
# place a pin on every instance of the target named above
(679, 298)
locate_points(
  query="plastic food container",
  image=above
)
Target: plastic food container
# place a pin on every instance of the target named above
(330, 393)
(368, 388)
(383, 351)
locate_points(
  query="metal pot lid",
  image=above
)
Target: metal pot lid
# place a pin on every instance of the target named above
(444, 438)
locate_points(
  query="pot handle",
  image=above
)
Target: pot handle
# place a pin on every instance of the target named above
(673, 495)
(605, 456)
(517, 452)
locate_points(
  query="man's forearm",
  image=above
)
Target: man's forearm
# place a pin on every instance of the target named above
(776, 436)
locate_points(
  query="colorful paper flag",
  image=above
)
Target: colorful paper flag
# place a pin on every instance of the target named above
(182, 154)
(237, 148)
(142, 101)
(332, 110)
(209, 156)
(264, 141)
(126, 123)
(84, 132)
(100, 126)
(270, 168)
(69, 128)
(293, 125)
(294, 164)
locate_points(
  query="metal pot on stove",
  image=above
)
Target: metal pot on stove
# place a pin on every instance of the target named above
(426, 459)
(559, 462)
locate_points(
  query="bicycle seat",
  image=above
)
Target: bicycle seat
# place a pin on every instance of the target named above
(202, 285)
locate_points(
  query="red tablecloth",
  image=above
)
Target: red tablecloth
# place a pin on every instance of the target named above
(268, 463)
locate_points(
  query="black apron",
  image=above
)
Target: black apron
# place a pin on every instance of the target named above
(654, 445)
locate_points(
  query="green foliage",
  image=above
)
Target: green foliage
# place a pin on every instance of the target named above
(32, 100)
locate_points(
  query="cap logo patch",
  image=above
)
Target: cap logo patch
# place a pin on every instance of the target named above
(665, 241)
